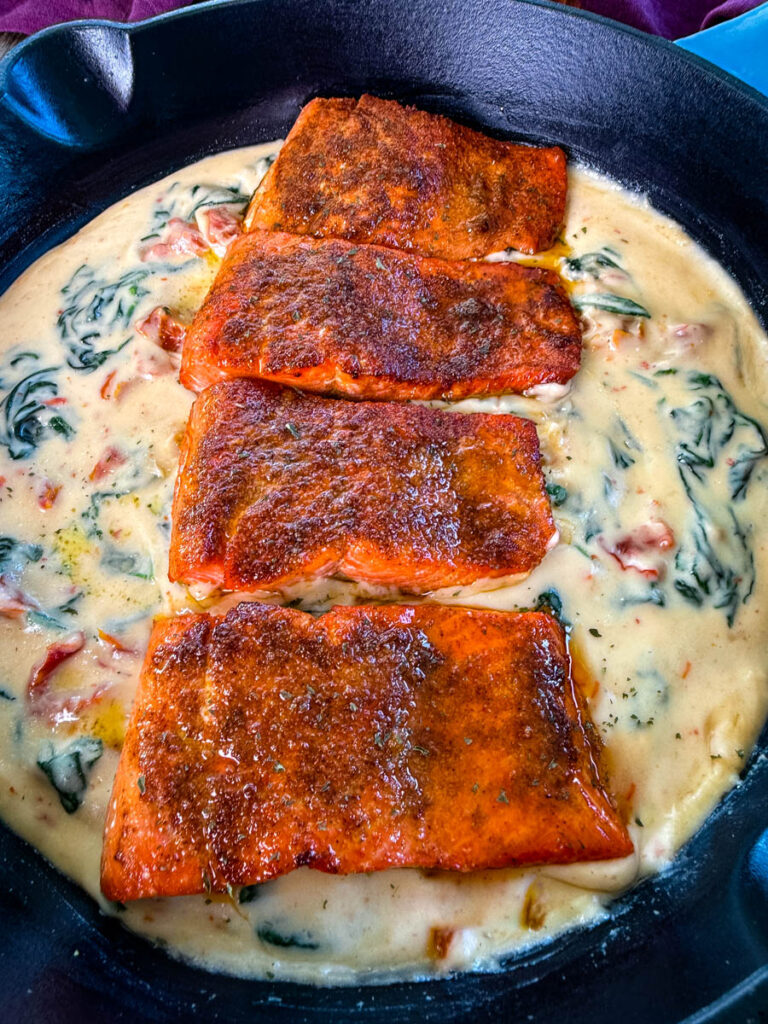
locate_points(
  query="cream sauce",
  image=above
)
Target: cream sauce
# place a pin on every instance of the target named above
(88, 450)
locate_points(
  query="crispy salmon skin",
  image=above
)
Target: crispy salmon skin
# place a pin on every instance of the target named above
(371, 170)
(370, 738)
(342, 318)
(276, 487)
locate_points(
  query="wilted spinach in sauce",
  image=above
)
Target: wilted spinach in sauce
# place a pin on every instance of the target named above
(96, 561)
(718, 449)
(68, 769)
(27, 413)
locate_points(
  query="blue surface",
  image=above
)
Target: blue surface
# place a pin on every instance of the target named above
(739, 46)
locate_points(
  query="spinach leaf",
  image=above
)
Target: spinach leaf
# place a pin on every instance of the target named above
(134, 478)
(52, 618)
(557, 494)
(214, 195)
(13, 553)
(645, 381)
(630, 441)
(93, 511)
(653, 595)
(14, 361)
(719, 572)
(610, 491)
(25, 417)
(621, 459)
(714, 562)
(610, 303)
(129, 563)
(68, 770)
(590, 265)
(95, 308)
(249, 893)
(550, 601)
(713, 431)
(263, 165)
(298, 940)
(592, 525)
(620, 450)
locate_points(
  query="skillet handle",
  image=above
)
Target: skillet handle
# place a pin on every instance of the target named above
(738, 46)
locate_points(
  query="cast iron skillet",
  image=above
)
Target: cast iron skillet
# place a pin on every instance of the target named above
(91, 111)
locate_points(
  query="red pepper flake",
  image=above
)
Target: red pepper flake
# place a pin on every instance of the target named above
(686, 670)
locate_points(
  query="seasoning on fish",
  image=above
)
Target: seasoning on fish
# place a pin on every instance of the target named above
(341, 318)
(371, 170)
(276, 486)
(372, 737)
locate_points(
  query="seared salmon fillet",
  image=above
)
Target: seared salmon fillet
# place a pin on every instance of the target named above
(370, 738)
(371, 170)
(276, 486)
(341, 318)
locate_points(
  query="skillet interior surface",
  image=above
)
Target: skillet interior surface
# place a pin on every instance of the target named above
(92, 111)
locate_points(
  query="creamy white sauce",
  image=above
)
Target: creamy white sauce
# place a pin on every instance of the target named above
(677, 694)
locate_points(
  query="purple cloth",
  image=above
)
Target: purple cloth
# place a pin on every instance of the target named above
(670, 18)
(28, 16)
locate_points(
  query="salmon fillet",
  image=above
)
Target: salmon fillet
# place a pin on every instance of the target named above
(276, 486)
(370, 738)
(371, 170)
(340, 318)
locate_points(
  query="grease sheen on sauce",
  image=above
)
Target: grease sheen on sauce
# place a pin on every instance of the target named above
(88, 452)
